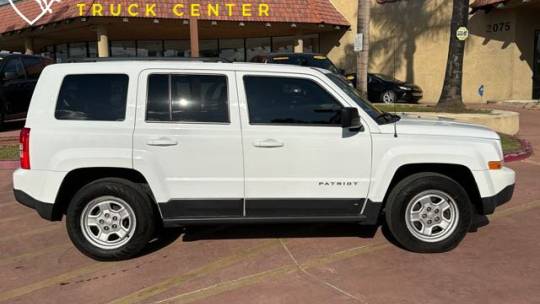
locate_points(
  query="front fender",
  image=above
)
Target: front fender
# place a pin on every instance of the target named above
(392, 153)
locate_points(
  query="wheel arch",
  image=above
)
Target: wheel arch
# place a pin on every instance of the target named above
(459, 173)
(77, 178)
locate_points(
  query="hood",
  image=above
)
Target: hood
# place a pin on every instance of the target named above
(438, 126)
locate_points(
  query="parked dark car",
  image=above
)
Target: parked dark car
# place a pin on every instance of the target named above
(381, 88)
(18, 76)
(387, 89)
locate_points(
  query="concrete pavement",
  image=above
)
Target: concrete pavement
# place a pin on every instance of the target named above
(317, 263)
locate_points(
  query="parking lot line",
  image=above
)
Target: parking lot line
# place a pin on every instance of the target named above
(18, 217)
(252, 279)
(50, 227)
(20, 291)
(214, 266)
(35, 253)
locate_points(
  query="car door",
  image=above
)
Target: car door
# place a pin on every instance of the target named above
(187, 142)
(13, 81)
(298, 160)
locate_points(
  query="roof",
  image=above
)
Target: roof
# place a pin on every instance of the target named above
(135, 66)
(300, 11)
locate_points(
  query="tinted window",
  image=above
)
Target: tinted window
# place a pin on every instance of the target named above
(93, 97)
(187, 98)
(14, 67)
(33, 66)
(280, 100)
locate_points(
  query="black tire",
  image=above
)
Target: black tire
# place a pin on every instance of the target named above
(131, 194)
(403, 194)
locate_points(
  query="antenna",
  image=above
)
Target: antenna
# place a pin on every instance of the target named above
(395, 121)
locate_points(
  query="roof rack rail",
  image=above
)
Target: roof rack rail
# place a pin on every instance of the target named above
(185, 59)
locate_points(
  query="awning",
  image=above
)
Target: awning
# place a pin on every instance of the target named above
(293, 11)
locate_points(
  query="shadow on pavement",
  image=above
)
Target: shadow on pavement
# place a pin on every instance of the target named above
(264, 231)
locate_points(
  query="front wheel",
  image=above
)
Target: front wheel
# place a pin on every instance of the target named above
(428, 212)
(389, 97)
(110, 219)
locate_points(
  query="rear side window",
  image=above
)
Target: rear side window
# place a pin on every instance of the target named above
(187, 98)
(290, 101)
(100, 97)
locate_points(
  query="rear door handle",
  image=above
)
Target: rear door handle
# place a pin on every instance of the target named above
(162, 142)
(268, 143)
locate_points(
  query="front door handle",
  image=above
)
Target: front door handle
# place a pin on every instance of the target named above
(162, 142)
(268, 143)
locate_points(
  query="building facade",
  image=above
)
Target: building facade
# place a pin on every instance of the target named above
(408, 39)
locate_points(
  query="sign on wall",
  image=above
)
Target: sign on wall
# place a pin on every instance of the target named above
(462, 33)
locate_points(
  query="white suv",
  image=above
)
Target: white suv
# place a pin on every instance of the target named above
(124, 147)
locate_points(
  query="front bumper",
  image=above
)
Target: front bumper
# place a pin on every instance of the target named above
(489, 204)
(45, 210)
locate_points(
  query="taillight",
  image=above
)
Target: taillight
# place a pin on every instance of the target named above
(24, 148)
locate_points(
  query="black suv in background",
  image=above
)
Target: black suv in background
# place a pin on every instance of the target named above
(18, 76)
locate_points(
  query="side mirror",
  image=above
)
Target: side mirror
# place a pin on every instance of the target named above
(350, 118)
(10, 75)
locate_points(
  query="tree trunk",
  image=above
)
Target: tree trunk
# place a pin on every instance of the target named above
(451, 98)
(362, 57)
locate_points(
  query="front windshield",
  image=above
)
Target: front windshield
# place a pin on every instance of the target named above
(356, 96)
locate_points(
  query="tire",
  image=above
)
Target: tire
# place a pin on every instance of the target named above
(389, 97)
(412, 217)
(126, 215)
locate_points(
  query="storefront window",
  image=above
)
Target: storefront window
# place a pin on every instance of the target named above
(208, 48)
(283, 44)
(311, 44)
(92, 49)
(257, 46)
(150, 48)
(123, 49)
(77, 50)
(232, 49)
(61, 53)
(176, 48)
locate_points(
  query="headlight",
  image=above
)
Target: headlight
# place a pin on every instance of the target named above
(404, 88)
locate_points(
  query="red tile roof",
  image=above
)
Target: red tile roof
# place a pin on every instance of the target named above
(300, 11)
(481, 3)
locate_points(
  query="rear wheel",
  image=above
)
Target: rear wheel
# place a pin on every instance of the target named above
(110, 219)
(428, 212)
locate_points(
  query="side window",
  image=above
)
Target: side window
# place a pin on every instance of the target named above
(15, 69)
(100, 97)
(187, 98)
(296, 101)
(33, 66)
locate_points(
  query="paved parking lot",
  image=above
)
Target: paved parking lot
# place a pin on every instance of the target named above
(320, 263)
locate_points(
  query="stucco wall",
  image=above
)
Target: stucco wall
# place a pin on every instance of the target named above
(409, 39)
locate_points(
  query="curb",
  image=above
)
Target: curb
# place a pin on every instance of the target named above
(525, 152)
(9, 164)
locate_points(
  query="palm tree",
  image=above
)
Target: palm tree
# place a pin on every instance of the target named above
(363, 56)
(451, 98)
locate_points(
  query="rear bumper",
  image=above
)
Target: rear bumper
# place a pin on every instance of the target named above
(45, 210)
(489, 204)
